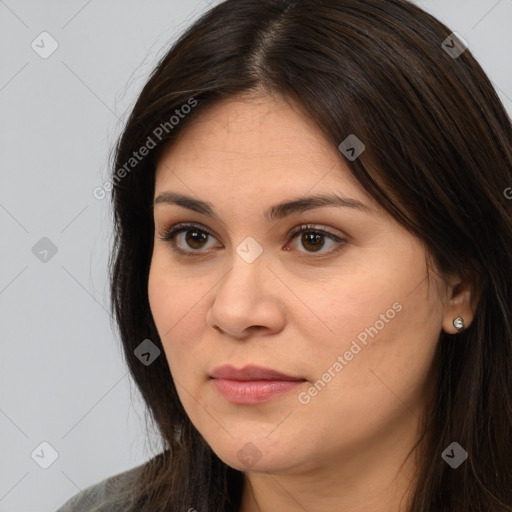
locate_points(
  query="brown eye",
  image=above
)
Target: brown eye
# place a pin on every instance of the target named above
(313, 239)
(195, 238)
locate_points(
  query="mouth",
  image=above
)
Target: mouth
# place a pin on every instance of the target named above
(251, 372)
(252, 384)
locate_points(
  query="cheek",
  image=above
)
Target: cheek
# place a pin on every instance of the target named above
(352, 297)
(171, 296)
(357, 307)
(386, 322)
(389, 370)
(176, 307)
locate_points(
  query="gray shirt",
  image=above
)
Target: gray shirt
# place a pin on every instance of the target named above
(109, 495)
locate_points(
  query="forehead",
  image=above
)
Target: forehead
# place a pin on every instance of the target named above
(255, 144)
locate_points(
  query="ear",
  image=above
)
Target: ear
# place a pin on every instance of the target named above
(462, 293)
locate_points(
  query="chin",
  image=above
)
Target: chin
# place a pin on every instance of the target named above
(257, 454)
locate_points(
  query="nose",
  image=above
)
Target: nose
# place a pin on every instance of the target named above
(247, 300)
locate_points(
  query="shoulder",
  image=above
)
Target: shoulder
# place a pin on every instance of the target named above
(109, 495)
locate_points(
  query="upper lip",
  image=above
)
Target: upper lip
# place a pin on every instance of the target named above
(250, 372)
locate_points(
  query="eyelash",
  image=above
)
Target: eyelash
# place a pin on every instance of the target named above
(170, 233)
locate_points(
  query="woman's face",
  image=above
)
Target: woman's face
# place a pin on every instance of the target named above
(350, 313)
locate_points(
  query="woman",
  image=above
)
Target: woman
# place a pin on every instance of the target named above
(365, 364)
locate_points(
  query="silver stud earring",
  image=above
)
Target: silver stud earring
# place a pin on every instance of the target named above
(458, 323)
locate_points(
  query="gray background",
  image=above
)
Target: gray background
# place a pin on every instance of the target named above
(62, 377)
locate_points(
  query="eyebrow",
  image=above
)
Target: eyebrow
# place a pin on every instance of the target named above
(277, 211)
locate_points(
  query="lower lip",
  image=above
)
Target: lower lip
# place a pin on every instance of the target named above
(253, 391)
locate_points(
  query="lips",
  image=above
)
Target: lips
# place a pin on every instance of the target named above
(252, 384)
(251, 373)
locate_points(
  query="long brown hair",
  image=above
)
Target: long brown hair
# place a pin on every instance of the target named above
(438, 158)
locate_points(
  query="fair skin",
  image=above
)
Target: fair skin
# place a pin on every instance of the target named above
(296, 309)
